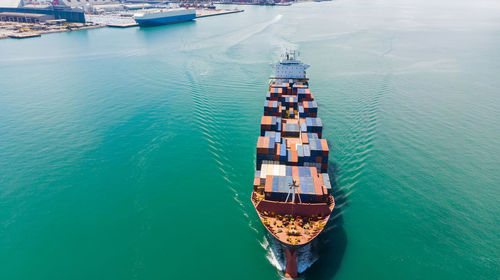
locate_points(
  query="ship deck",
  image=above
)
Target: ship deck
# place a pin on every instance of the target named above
(291, 229)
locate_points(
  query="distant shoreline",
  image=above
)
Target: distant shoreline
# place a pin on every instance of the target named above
(19, 30)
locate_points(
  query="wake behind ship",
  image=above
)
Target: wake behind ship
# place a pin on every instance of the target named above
(291, 190)
(155, 17)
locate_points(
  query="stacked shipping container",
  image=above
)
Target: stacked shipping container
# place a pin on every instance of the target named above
(309, 149)
(277, 179)
(291, 141)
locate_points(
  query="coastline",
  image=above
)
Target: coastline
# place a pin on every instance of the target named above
(15, 30)
(19, 30)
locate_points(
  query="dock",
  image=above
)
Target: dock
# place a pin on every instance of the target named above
(123, 25)
(211, 13)
(120, 19)
(24, 35)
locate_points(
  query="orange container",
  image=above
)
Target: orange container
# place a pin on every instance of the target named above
(314, 173)
(305, 139)
(295, 157)
(277, 153)
(324, 147)
(256, 182)
(269, 184)
(318, 185)
(262, 148)
(266, 144)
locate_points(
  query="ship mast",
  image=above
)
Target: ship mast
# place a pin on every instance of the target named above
(292, 191)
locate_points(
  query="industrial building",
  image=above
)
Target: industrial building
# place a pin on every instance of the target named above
(11, 3)
(55, 11)
(82, 3)
(24, 17)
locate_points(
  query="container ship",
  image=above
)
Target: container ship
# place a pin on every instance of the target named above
(291, 190)
(155, 17)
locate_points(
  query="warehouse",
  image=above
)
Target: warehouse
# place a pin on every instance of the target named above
(11, 3)
(24, 17)
(56, 12)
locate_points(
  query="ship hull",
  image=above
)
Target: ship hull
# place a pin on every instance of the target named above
(150, 22)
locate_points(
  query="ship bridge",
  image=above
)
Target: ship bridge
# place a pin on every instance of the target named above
(290, 67)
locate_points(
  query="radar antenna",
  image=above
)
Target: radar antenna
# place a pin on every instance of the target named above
(292, 190)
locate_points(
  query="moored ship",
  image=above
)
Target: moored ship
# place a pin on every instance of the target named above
(291, 190)
(155, 17)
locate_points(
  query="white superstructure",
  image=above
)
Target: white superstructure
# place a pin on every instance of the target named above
(163, 13)
(289, 67)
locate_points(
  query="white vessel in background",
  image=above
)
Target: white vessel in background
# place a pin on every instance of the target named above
(155, 17)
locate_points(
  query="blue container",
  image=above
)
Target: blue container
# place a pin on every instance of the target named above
(307, 153)
(292, 127)
(313, 107)
(316, 149)
(301, 173)
(275, 185)
(306, 171)
(326, 182)
(312, 136)
(261, 157)
(272, 145)
(300, 153)
(307, 185)
(314, 124)
(283, 156)
(303, 127)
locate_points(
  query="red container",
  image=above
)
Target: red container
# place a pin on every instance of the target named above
(324, 167)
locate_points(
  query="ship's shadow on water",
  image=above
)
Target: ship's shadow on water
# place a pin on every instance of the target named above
(331, 244)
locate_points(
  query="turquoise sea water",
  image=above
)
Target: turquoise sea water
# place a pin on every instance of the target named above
(129, 153)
